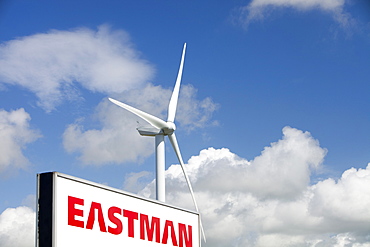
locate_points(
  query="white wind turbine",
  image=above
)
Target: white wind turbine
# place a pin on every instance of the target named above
(160, 128)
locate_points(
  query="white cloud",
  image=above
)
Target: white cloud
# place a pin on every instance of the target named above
(192, 113)
(30, 201)
(136, 181)
(17, 227)
(300, 4)
(338, 200)
(258, 9)
(118, 141)
(297, 153)
(270, 201)
(15, 134)
(49, 64)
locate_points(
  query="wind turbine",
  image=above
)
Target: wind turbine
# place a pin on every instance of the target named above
(159, 129)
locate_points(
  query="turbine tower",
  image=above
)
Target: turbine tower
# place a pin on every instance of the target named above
(159, 129)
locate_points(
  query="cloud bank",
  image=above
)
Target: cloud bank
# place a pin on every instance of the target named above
(117, 141)
(15, 134)
(270, 201)
(54, 64)
(266, 202)
(259, 9)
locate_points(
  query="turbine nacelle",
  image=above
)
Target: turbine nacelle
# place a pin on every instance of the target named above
(153, 131)
(149, 131)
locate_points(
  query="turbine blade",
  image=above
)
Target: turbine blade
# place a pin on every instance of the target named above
(175, 146)
(156, 122)
(175, 94)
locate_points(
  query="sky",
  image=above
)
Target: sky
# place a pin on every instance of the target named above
(273, 116)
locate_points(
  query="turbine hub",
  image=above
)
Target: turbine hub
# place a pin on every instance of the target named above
(171, 127)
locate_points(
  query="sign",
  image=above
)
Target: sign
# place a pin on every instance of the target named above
(76, 212)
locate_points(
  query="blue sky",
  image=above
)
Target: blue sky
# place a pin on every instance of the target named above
(276, 88)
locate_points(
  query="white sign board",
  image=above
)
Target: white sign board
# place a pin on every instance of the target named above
(75, 212)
